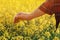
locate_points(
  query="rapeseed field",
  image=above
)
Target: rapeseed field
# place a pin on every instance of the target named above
(40, 28)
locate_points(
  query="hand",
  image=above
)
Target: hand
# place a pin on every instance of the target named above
(21, 16)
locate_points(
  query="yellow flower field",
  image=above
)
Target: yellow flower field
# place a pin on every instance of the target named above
(40, 28)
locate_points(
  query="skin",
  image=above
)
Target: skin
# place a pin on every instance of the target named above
(24, 16)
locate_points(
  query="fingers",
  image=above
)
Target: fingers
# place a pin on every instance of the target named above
(16, 19)
(20, 16)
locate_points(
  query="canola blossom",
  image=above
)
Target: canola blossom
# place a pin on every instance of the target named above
(40, 28)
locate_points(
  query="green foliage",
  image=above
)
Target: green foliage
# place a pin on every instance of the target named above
(40, 28)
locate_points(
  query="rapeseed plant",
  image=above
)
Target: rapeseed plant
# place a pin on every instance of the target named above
(41, 28)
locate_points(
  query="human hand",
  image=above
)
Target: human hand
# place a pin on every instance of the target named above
(21, 16)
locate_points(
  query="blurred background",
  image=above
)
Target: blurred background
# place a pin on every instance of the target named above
(40, 28)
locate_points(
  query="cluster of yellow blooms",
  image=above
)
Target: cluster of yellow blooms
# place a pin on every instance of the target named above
(40, 28)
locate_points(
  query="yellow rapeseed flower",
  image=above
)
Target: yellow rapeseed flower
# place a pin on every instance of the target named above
(56, 38)
(47, 34)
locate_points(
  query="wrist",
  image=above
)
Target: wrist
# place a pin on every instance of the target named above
(29, 17)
